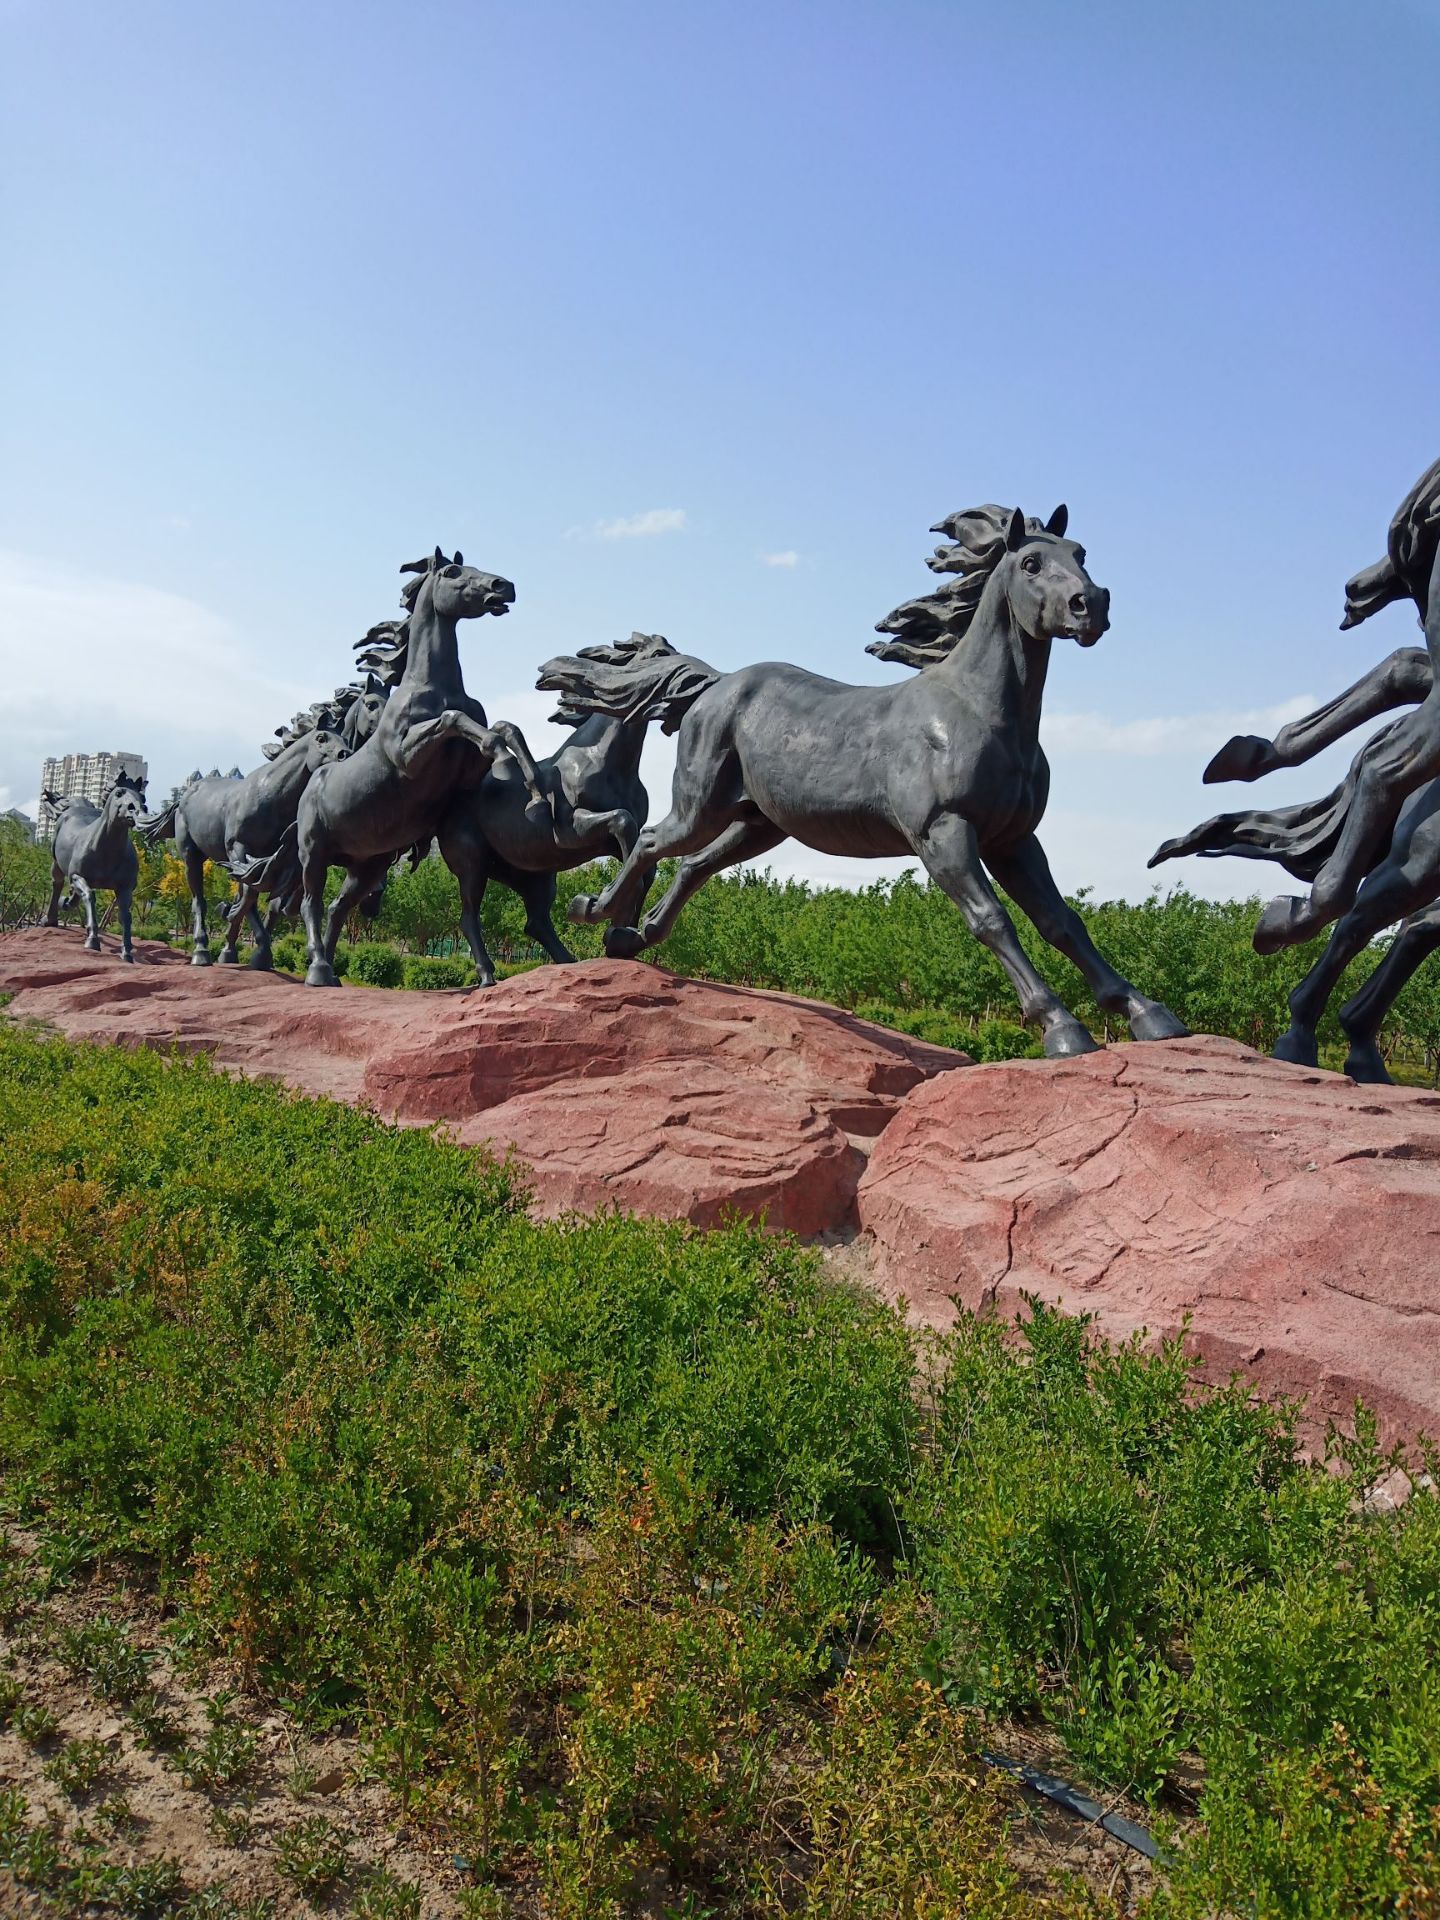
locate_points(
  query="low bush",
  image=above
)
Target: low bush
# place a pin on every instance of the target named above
(428, 972)
(373, 964)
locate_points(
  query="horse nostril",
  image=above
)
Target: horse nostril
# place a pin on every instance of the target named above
(1078, 603)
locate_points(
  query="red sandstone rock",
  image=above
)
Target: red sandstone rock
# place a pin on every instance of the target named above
(1295, 1215)
(617, 1083)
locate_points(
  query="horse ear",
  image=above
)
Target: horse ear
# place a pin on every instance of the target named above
(1059, 520)
(1015, 534)
(459, 559)
(439, 560)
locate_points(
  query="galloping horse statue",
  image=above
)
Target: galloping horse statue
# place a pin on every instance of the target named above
(946, 766)
(92, 848)
(1376, 838)
(233, 822)
(432, 742)
(598, 806)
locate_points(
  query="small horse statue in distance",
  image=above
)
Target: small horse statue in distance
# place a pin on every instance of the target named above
(92, 849)
(946, 766)
(232, 822)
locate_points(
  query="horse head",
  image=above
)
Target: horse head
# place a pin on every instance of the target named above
(1043, 577)
(362, 716)
(324, 744)
(124, 800)
(453, 590)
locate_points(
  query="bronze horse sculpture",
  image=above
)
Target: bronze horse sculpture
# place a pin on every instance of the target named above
(431, 743)
(947, 766)
(233, 822)
(92, 848)
(1385, 814)
(598, 806)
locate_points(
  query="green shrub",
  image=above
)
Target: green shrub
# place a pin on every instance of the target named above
(289, 952)
(427, 972)
(636, 1549)
(374, 964)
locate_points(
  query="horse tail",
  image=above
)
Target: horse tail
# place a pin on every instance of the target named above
(155, 827)
(640, 677)
(275, 874)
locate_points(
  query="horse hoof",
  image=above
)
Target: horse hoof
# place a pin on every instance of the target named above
(1063, 1042)
(1245, 757)
(1364, 1064)
(200, 958)
(1299, 1046)
(581, 906)
(539, 808)
(93, 946)
(229, 958)
(485, 980)
(261, 963)
(624, 943)
(1158, 1023)
(321, 974)
(1284, 922)
(128, 958)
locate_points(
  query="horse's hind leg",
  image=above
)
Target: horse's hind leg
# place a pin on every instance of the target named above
(951, 854)
(359, 881)
(1363, 1015)
(1025, 874)
(537, 891)
(744, 840)
(468, 857)
(57, 887)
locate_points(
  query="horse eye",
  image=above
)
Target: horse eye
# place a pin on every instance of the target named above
(453, 573)
(1079, 556)
(1031, 563)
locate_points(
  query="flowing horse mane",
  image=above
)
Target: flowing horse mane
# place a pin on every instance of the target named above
(1404, 573)
(642, 677)
(927, 630)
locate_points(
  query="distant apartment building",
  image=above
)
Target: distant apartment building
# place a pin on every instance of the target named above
(82, 776)
(21, 820)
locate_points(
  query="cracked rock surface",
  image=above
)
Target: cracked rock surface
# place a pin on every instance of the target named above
(1292, 1214)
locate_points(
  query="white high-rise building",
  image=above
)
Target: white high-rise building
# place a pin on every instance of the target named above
(83, 776)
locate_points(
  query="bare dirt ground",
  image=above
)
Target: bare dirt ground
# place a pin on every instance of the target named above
(184, 1788)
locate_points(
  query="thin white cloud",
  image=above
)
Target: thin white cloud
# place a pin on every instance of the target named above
(1168, 733)
(116, 664)
(789, 558)
(639, 526)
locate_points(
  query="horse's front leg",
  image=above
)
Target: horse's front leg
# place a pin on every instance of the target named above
(123, 897)
(57, 887)
(1402, 680)
(1024, 872)
(85, 894)
(1393, 891)
(587, 828)
(951, 852)
(1364, 1013)
(513, 742)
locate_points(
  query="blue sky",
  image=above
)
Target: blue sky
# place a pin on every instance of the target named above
(693, 320)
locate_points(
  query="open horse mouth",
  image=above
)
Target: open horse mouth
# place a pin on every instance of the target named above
(1085, 636)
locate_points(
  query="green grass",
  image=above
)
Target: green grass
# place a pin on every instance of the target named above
(631, 1548)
